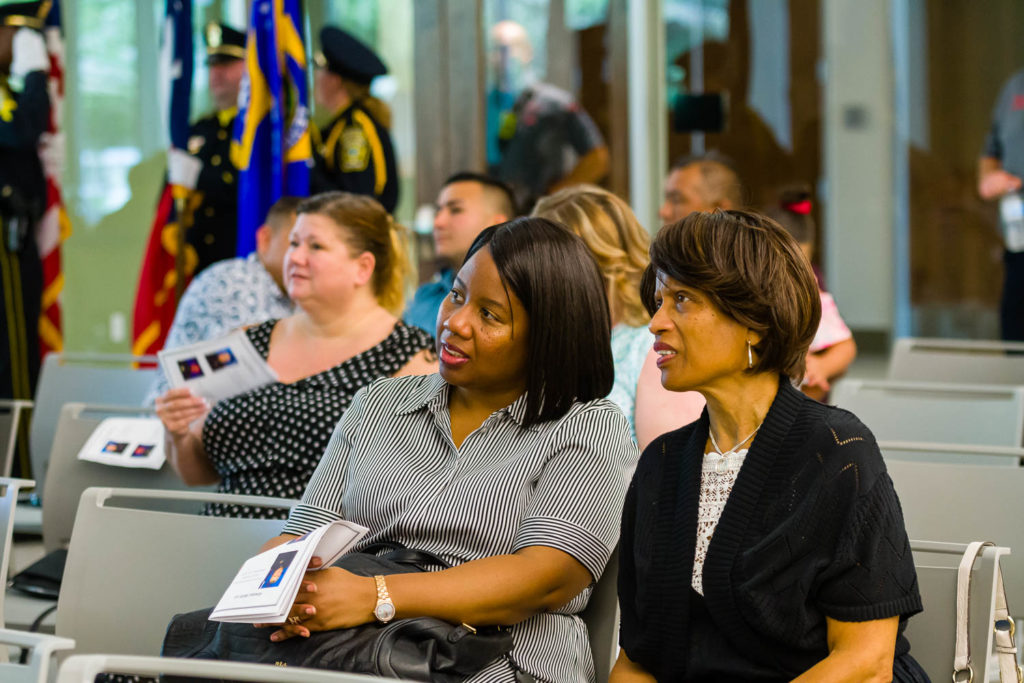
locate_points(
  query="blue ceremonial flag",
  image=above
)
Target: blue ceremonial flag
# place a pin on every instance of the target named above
(177, 55)
(271, 147)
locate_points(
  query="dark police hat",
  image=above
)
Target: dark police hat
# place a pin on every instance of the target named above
(223, 43)
(31, 14)
(346, 56)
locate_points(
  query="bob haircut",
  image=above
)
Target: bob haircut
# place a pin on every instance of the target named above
(753, 271)
(553, 274)
(615, 238)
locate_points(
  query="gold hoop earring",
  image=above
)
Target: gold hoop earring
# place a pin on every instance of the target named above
(750, 356)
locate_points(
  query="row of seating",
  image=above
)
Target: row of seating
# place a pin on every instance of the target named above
(139, 556)
(936, 468)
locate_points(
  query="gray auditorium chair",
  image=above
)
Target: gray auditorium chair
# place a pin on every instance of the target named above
(983, 415)
(932, 634)
(12, 412)
(137, 558)
(67, 476)
(115, 379)
(602, 619)
(8, 500)
(957, 361)
(964, 503)
(956, 454)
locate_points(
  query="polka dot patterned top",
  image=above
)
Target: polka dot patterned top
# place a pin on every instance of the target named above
(268, 441)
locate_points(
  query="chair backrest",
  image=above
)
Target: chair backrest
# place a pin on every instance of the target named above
(602, 619)
(8, 501)
(113, 379)
(67, 476)
(955, 454)
(982, 415)
(41, 649)
(139, 557)
(11, 415)
(932, 634)
(963, 503)
(957, 361)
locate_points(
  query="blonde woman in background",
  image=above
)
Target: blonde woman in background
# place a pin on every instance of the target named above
(345, 269)
(619, 244)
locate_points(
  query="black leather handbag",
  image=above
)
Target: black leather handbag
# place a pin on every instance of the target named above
(416, 649)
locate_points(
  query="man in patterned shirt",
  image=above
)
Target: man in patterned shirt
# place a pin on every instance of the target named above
(236, 292)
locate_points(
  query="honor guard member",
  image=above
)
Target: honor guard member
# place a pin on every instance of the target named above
(353, 153)
(24, 116)
(205, 166)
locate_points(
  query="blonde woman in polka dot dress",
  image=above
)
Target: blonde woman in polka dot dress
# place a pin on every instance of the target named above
(345, 269)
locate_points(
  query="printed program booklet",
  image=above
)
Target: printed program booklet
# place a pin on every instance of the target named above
(218, 368)
(265, 587)
(126, 442)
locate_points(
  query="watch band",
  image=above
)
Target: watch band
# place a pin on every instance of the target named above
(385, 609)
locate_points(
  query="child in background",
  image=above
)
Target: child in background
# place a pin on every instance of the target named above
(833, 349)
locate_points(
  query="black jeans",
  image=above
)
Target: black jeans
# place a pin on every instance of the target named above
(1011, 309)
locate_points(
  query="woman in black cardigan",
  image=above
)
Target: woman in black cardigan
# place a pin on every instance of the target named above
(763, 542)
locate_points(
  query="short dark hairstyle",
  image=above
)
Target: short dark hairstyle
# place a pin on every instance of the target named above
(751, 269)
(506, 199)
(281, 210)
(554, 275)
(721, 180)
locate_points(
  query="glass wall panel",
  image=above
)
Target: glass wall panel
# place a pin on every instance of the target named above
(758, 61)
(578, 48)
(955, 58)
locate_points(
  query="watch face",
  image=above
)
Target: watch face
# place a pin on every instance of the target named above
(384, 611)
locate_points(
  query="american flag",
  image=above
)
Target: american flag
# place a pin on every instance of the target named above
(55, 226)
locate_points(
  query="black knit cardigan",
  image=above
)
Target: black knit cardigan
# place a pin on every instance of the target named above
(811, 529)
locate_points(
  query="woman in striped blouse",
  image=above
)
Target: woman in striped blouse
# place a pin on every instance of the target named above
(508, 464)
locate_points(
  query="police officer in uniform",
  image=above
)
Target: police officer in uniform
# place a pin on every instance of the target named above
(24, 116)
(353, 153)
(205, 167)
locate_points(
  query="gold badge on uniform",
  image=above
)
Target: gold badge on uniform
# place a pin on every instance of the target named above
(195, 143)
(355, 150)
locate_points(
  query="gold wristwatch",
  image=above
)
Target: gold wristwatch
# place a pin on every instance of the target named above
(385, 609)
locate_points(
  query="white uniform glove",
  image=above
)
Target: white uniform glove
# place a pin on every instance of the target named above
(30, 55)
(183, 168)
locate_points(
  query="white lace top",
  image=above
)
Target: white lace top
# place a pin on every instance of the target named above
(717, 476)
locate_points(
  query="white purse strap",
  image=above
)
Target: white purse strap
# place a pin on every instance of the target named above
(1003, 626)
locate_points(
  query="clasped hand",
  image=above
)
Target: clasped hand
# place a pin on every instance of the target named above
(328, 599)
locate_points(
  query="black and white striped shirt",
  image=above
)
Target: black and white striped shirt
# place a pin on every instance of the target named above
(392, 466)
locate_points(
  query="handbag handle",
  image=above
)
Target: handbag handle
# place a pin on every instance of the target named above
(1003, 625)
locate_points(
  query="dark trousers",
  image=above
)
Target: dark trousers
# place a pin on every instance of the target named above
(1011, 309)
(21, 291)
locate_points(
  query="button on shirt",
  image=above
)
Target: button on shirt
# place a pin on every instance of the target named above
(392, 466)
(229, 294)
(422, 312)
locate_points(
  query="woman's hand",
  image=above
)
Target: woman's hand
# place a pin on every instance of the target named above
(815, 376)
(178, 409)
(329, 599)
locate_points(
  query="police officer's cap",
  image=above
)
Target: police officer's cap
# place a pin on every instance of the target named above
(346, 56)
(223, 43)
(31, 14)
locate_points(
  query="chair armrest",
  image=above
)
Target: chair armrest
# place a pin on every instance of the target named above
(41, 649)
(85, 668)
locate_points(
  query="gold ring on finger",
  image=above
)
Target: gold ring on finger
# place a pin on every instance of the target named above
(295, 620)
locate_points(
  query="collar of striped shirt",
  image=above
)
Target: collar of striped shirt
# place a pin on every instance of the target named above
(433, 395)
